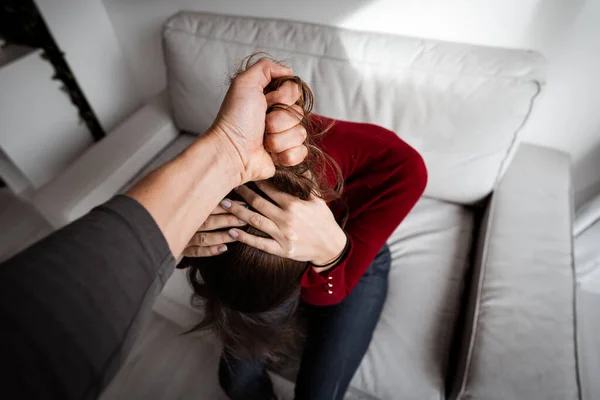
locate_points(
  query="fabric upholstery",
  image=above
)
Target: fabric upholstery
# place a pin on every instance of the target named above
(461, 106)
(587, 257)
(587, 268)
(520, 334)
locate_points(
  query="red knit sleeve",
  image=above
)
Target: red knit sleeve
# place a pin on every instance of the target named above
(384, 178)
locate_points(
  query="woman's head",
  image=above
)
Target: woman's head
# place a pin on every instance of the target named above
(249, 296)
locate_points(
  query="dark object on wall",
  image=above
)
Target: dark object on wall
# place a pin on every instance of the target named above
(22, 24)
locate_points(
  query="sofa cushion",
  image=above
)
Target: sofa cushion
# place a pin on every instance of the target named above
(460, 105)
(408, 356)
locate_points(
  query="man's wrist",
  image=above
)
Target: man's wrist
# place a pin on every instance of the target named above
(226, 158)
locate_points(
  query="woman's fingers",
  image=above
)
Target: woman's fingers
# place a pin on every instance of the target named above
(204, 251)
(282, 141)
(259, 203)
(280, 120)
(281, 198)
(219, 221)
(287, 94)
(258, 221)
(206, 239)
(260, 243)
(220, 210)
(291, 157)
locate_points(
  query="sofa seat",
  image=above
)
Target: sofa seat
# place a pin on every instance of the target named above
(409, 354)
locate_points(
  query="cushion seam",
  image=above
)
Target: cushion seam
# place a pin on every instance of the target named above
(515, 134)
(574, 299)
(476, 312)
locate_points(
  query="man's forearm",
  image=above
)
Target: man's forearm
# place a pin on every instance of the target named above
(195, 182)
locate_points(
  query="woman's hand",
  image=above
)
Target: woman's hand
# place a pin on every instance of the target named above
(206, 243)
(300, 230)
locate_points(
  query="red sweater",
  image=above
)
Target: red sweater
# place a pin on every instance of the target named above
(384, 177)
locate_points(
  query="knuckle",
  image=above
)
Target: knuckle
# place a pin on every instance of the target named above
(293, 208)
(290, 235)
(261, 246)
(256, 220)
(297, 109)
(193, 240)
(271, 122)
(294, 91)
(285, 158)
(271, 143)
(288, 222)
(202, 239)
(289, 252)
(257, 202)
(191, 252)
(303, 132)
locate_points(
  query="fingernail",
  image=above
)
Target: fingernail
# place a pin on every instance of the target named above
(242, 222)
(233, 233)
(226, 203)
(222, 249)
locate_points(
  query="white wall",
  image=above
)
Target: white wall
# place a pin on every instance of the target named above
(537, 24)
(85, 34)
(563, 30)
(40, 132)
(568, 115)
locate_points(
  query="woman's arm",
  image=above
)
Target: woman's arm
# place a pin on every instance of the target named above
(384, 179)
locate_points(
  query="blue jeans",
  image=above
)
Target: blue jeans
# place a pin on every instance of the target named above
(337, 339)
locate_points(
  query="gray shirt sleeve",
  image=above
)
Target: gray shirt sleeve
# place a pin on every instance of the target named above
(71, 305)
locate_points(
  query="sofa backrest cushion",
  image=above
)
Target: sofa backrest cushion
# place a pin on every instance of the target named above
(461, 106)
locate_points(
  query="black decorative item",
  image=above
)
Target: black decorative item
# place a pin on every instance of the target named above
(22, 24)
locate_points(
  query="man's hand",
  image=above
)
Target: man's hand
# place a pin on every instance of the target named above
(240, 125)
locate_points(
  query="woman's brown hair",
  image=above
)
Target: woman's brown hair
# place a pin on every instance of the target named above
(250, 297)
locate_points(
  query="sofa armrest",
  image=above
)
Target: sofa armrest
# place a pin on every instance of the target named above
(107, 166)
(519, 334)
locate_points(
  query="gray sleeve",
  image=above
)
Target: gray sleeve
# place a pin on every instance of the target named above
(71, 305)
